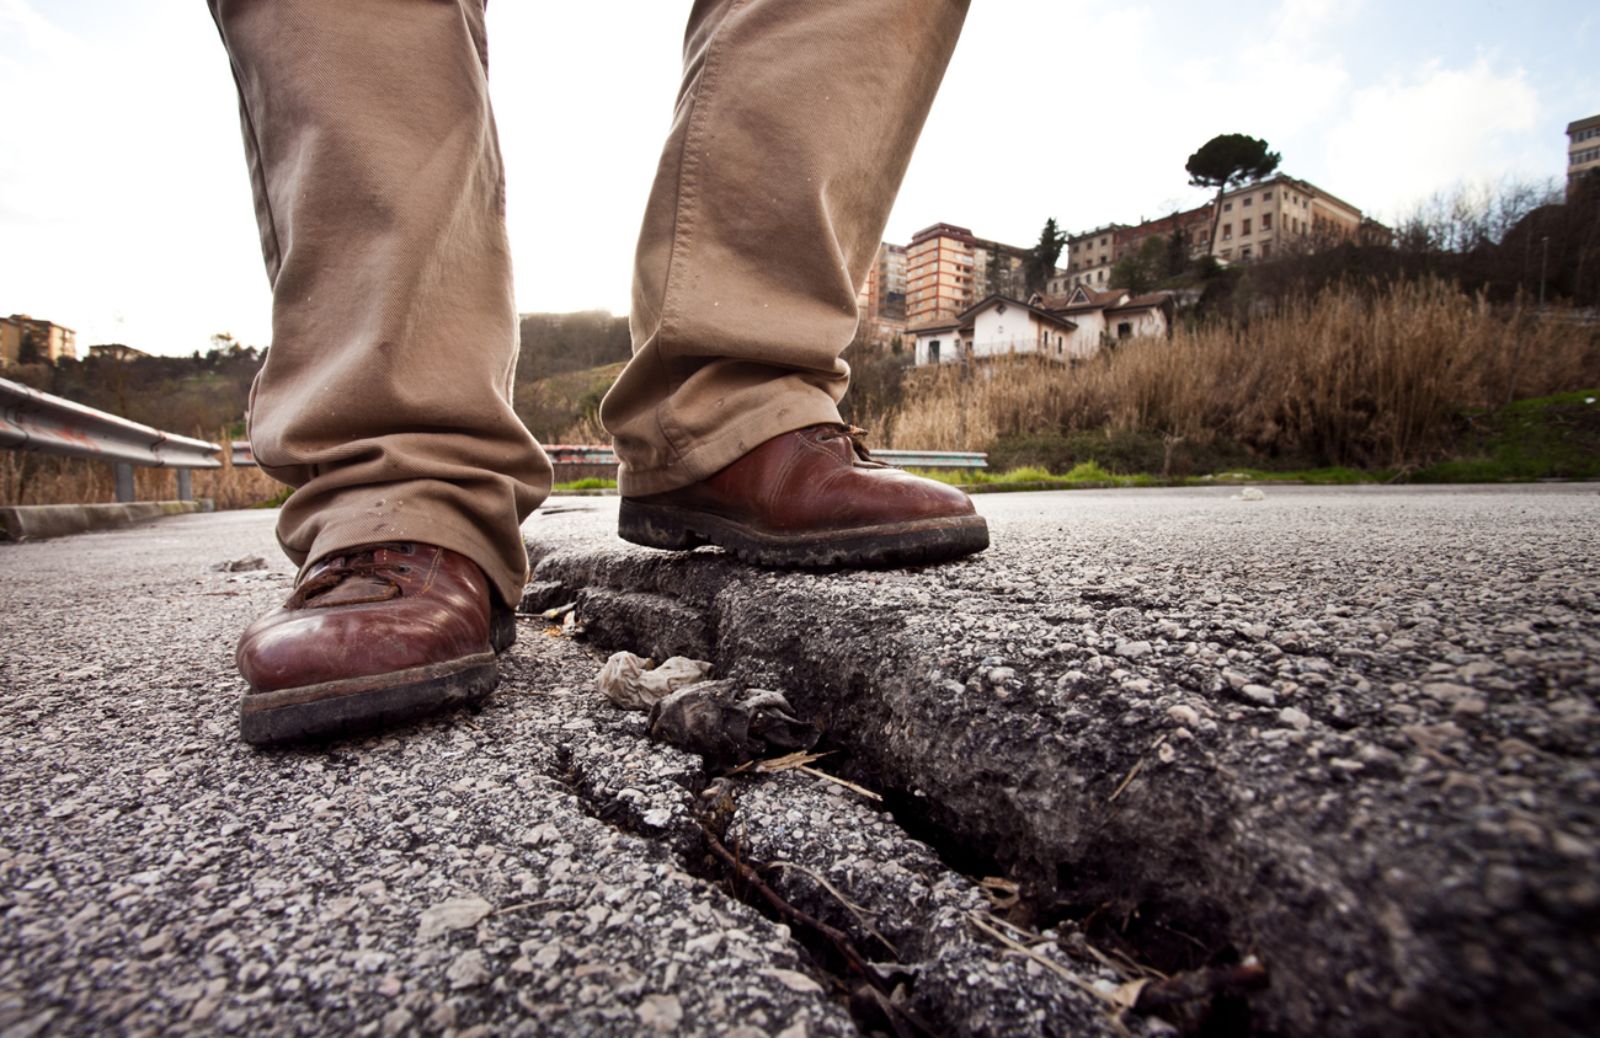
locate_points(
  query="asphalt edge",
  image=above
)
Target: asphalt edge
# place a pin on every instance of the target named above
(40, 522)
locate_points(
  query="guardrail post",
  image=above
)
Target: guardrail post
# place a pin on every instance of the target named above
(185, 484)
(124, 472)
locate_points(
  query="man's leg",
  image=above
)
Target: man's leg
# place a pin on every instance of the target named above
(385, 397)
(793, 129)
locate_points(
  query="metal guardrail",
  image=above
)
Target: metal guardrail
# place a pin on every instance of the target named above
(569, 454)
(35, 421)
(933, 459)
(595, 454)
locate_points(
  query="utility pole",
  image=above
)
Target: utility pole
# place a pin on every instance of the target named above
(1544, 263)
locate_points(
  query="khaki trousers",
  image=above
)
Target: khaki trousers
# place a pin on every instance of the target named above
(385, 398)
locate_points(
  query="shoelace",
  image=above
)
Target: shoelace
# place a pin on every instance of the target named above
(856, 435)
(360, 563)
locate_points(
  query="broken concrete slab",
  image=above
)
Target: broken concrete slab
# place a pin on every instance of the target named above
(1350, 731)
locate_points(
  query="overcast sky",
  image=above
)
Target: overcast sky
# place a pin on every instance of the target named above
(125, 209)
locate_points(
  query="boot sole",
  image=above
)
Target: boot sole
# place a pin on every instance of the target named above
(889, 544)
(354, 705)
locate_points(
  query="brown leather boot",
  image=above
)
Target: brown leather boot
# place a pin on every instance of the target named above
(372, 636)
(811, 498)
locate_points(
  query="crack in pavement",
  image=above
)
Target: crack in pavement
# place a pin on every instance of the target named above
(1353, 732)
(521, 869)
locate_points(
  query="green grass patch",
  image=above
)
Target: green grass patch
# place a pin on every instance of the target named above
(1028, 477)
(1548, 437)
(1336, 476)
(591, 483)
(1091, 474)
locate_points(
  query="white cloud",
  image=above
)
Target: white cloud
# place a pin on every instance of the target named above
(1406, 138)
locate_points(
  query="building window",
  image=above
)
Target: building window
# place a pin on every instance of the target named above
(1244, 228)
(1248, 201)
(1227, 231)
(1266, 249)
(1227, 254)
(1266, 196)
(1244, 253)
(1124, 329)
(1266, 221)
(933, 352)
(1227, 207)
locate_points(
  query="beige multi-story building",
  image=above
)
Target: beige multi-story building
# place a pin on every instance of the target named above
(51, 342)
(115, 351)
(948, 269)
(939, 273)
(1266, 218)
(10, 342)
(1089, 256)
(882, 300)
(1583, 148)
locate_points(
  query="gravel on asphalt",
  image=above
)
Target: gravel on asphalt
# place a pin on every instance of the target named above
(1350, 731)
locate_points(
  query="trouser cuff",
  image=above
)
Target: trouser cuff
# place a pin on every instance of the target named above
(711, 455)
(492, 549)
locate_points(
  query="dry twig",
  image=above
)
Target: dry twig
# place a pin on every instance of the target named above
(862, 916)
(1133, 772)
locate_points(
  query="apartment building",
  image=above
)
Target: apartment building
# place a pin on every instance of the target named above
(10, 342)
(1583, 148)
(1267, 217)
(1089, 256)
(115, 351)
(948, 268)
(51, 342)
(882, 300)
(1194, 224)
(939, 262)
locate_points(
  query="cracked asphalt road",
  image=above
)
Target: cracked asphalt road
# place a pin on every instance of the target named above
(1351, 731)
(1282, 700)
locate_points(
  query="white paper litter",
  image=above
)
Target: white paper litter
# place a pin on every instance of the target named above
(634, 683)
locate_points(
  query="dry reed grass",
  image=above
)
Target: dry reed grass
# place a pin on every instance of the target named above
(1351, 378)
(38, 479)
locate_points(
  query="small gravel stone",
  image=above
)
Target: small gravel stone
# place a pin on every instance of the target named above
(1260, 695)
(1295, 718)
(455, 914)
(661, 1012)
(794, 980)
(469, 970)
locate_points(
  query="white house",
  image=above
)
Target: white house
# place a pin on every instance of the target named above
(1108, 317)
(1064, 328)
(948, 342)
(1004, 327)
